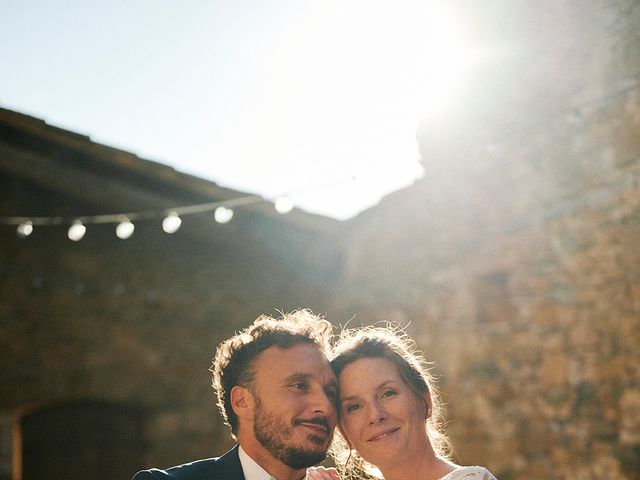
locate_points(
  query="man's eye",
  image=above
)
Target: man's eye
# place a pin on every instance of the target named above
(298, 386)
(331, 393)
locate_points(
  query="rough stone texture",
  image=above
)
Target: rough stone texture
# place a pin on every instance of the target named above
(135, 322)
(515, 261)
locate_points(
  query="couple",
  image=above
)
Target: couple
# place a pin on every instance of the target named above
(282, 398)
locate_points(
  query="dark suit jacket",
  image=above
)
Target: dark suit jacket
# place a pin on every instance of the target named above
(226, 467)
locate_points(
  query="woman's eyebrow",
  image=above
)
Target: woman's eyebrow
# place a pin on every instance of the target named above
(346, 399)
(382, 385)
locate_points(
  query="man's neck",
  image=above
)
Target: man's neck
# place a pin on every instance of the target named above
(274, 467)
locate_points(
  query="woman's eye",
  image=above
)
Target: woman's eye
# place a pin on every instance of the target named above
(352, 407)
(389, 393)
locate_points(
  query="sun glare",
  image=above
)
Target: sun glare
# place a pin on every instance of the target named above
(355, 83)
(368, 59)
(334, 91)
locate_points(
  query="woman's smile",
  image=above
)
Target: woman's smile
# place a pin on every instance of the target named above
(384, 434)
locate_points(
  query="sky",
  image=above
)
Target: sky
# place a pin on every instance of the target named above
(315, 100)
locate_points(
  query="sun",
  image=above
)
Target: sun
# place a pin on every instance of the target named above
(343, 86)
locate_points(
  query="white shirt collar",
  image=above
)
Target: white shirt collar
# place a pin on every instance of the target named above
(252, 471)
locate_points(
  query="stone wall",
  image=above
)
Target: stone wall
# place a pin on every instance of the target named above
(134, 323)
(515, 261)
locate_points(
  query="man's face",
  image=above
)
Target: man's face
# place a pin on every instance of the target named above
(294, 394)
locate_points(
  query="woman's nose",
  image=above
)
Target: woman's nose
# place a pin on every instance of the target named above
(376, 413)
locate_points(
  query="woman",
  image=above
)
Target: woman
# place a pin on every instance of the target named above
(390, 415)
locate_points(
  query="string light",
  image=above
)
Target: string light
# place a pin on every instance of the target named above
(124, 226)
(223, 215)
(25, 229)
(223, 212)
(76, 231)
(283, 205)
(171, 223)
(125, 229)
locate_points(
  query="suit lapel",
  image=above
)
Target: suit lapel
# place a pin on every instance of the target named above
(228, 466)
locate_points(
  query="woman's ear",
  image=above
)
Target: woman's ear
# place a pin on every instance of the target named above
(242, 402)
(427, 403)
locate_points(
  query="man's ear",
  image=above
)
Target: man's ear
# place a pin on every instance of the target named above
(242, 402)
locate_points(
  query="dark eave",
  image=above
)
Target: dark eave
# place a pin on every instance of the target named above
(115, 180)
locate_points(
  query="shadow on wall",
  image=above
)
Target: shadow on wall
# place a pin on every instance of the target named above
(72, 440)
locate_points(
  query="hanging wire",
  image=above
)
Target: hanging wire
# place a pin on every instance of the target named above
(571, 114)
(131, 216)
(223, 208)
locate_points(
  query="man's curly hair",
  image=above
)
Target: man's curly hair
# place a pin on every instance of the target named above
(233, 362)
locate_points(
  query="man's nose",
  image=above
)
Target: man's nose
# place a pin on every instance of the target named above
(323, 403)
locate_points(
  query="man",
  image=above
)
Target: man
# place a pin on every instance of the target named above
(276, 391)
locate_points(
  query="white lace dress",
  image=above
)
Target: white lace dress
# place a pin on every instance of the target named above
(469, 473)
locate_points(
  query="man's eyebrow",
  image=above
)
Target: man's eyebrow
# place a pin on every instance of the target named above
(297, 376)
(301, 376)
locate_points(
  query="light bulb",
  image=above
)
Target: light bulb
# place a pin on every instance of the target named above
(283, 205)
(25, 229)
(171, 223)
(125, 229)
(223, 215)
(76, 231)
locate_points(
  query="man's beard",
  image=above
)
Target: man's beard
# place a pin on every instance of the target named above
(272, 432)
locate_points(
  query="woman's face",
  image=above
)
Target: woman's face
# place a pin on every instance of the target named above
(381, 416)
